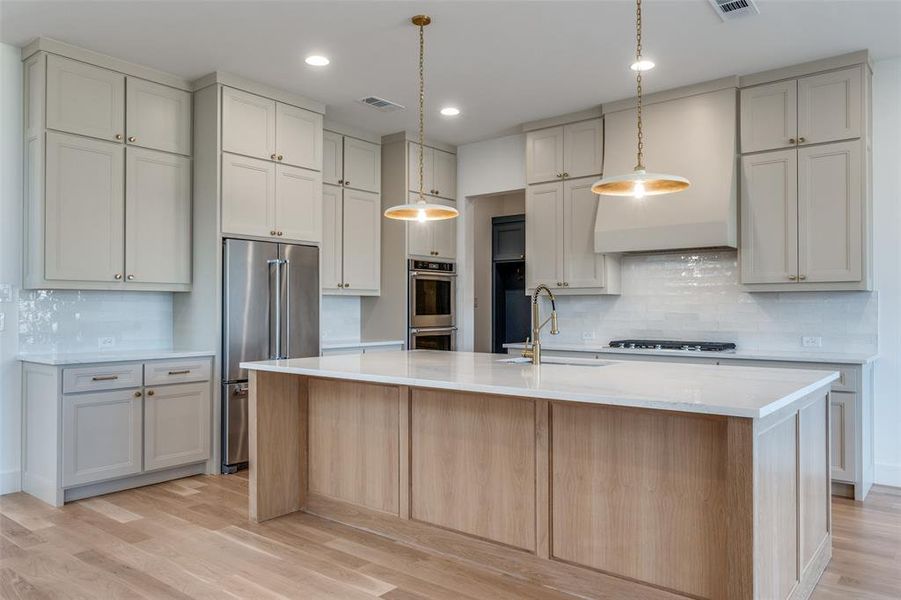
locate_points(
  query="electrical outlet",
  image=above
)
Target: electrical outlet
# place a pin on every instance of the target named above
(812, 341)
(6, 292)
(107, 341)
(588, 336)
(2, 321)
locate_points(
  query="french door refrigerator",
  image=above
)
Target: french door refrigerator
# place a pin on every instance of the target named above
(270, 310)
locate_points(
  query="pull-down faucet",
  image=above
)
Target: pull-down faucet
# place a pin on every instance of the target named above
(533, 350)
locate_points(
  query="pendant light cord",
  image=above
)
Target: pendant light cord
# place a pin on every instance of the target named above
(640, 152)
(421, 105)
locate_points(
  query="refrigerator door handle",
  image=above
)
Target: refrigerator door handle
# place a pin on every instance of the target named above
(278, 307)
(287, 264)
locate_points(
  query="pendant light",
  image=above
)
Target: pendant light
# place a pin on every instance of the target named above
(639, 183)
(421, 210)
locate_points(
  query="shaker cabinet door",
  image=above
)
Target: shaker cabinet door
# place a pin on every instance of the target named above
(158, 217)
(769, 116)
(444, 235)
(444, 174)
(298, 204)
(769, 217)
(544, 235)
(248, 124)
(362, 165)
(583, 148)
(544, 155)
(101, 436)
(332, 158)
(248, 196)
(428, 176)
(332, 238)
(159, 117)
(829, 106)
(176, 425)
(84, 210)
(830, 213)
(582, 266)
(85, 99)
(362, 242)
(298, 137)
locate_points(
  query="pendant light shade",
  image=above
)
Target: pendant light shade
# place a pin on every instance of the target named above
(639, 183)
(421, 210)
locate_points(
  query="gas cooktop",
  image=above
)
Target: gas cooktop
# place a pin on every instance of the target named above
(673, 345)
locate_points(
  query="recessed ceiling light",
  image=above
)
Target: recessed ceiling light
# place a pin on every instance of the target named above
(642, 65)
(450, 111)
(316, 60)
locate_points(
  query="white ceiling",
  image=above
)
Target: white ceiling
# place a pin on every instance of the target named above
(501, 63)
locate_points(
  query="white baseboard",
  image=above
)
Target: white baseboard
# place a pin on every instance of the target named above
(888, 474)
(10, 481)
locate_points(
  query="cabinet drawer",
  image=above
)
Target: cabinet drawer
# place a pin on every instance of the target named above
(176, 371)
(102, 377)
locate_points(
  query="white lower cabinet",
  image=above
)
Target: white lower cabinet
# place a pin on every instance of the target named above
(176, 424)
(842, 431)
(101, 436)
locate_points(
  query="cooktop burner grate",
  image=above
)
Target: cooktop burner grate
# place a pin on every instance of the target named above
(673, 345)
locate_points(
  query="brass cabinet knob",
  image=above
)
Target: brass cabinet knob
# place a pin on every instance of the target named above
(117, 276)
(340, 285)
(347, 182)
(132, 138)
(150, 392)
(802, 277)
(118, 136)
(565, 284)
(280, 157)
(559, 284)
(130, 277)
(565, 174)
(279, 233)
(801, 140)
(791, 141)
(138, 394)
(347, 285)
(272, 232)
(792, 277)
(340, 182)
(272, 156)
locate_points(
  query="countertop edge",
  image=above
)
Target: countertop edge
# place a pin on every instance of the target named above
(342, 345)
(647, 403)
(85, 358)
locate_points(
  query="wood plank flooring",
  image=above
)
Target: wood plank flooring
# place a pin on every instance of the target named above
(191, 539)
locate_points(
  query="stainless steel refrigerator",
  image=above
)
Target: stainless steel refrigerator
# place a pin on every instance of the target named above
(270, 310)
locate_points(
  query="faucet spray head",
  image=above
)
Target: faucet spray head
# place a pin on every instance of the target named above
(554, 330)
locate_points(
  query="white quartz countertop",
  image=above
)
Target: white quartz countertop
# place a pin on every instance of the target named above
(720, 390)
(340, 345)
(772, 355)
(82, 358)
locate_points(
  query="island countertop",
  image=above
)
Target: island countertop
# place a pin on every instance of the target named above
(718, 390)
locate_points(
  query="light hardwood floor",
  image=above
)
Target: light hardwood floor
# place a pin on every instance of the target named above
(191, 539)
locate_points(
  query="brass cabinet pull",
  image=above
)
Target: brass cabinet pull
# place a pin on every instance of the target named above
(182, 372)
(132, 138)
(150, 392)
(118, 136)
(104, 377)
(138, 394)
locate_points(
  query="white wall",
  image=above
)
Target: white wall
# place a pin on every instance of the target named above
(10, 261)
(483, 168)
(887, 212)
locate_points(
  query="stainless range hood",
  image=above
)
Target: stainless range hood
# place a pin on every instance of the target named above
(693, 132)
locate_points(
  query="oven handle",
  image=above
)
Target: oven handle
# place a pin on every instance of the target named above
(435, 275)
(414, 331)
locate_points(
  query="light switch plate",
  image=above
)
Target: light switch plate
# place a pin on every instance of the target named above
(812, 341)
(106, 341)
(588, 336)
(2, 321)
(6, 292)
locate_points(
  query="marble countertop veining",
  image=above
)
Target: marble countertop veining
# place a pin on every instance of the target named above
(709, 389)
(83, 358)
(771, 355)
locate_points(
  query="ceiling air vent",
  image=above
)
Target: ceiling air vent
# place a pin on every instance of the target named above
(734, 9)
(381, 104)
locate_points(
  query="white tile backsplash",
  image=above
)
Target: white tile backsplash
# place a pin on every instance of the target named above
(696, 295)
(340, 319)
(74, 321)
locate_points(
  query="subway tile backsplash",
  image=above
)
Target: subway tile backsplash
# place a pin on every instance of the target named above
(696, 295)
(75, 321)
(340, 319)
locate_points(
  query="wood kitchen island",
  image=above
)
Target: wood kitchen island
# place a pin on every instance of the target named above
(604, 479)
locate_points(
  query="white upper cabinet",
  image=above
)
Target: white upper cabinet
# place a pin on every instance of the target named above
(830, 208)
(830, 106)
(158, 116)
(158, 217)
(248, 124)
(298, 204)
(583, 148)
(333, 158)
(85, 99)
(582, 266)
(544, 155)
(331, 250)
(362, 165)
(568, 151)
(361, 239)
(432, 239)
(769, 116)
(248, 196)
(84, 210)
(444, 174)
(298, 137)
(544, 235)
(769, 217)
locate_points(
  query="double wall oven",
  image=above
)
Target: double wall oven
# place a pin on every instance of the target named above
(432, 315)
